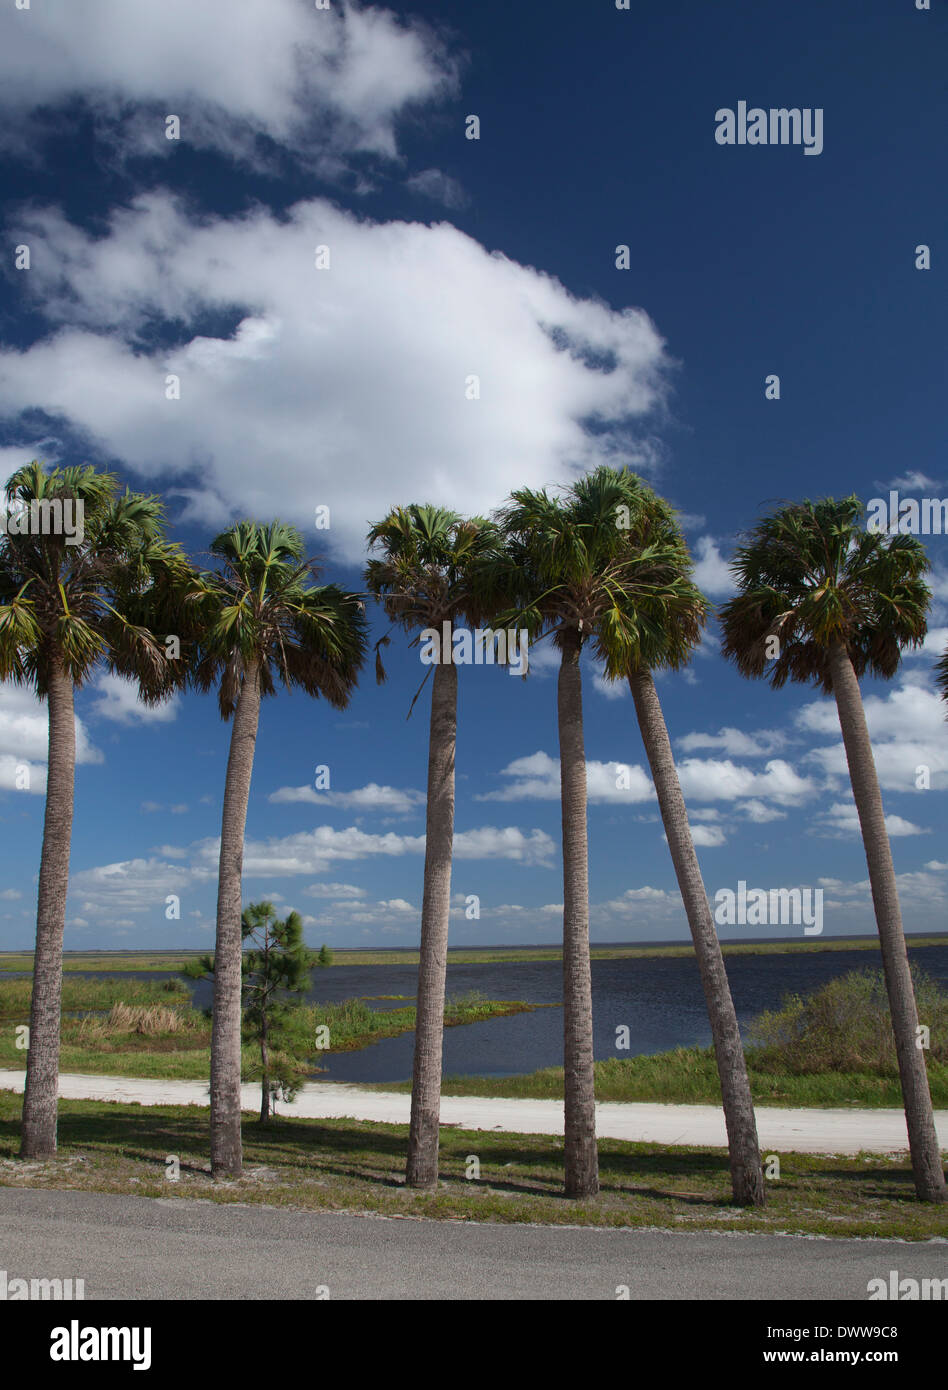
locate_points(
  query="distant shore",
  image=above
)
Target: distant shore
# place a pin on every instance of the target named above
(473, 955)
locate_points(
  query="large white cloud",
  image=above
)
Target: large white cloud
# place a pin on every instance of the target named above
(356, 371)
(907, 728)
(24, 739)
(320, 81)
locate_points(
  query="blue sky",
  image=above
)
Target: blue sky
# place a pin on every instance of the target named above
(347, 387)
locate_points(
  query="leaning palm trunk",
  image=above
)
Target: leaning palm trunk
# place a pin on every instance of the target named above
(923, 1140)
(42, 1065)
(581, 1158)
(747, 1179)
(422, 1168)
(226, 1154)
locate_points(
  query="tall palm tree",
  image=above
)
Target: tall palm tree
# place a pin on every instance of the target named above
(575, 576)
(824, 601)
(434, 568)
(656, 625)
(64, 600)
(260, 619)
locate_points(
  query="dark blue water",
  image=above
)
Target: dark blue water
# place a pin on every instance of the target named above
(659, 1000)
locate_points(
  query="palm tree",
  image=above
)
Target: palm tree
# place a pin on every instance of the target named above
(435, 568)
(575, 576)
(656, 625)
(259, 619)
(824, 601)
(65, 593)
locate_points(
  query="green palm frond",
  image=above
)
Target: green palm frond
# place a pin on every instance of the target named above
(810, 575)
(433, 565)
(263, 608)
(79, 601)
(605, 559)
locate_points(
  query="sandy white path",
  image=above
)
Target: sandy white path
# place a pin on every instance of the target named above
(802, 1131)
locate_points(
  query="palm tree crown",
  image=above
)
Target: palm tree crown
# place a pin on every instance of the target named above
(811, 576)
(261, 608)
(603, 561)
(67, 605)
(433, 565)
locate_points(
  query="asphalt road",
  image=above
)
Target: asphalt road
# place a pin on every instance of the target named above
(135, 1248)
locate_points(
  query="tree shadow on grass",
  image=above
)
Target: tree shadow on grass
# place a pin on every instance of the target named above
(375, 1155)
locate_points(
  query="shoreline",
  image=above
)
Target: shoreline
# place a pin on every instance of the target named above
(103, 961)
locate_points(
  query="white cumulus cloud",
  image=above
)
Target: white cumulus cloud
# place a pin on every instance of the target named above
(24, 739)
(371, 357)
(322, 82)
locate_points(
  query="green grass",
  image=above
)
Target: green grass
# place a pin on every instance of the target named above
(845, 1025)
(688, 1076)
(333, 1165)
(115, 963)
(91, 994)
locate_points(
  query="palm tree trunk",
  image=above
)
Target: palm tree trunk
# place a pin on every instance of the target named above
(264, 1071)
(226, 1153)
(581, 1158)
(422, 1167)
(747, 1178)
(923, 1140)
(42, 1064)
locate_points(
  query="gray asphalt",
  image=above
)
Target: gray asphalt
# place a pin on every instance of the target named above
(136, 1247)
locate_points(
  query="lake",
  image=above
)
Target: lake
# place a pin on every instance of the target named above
(658, 999)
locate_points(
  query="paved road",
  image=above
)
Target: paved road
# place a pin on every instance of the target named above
(169, 1248)
(781, 1131)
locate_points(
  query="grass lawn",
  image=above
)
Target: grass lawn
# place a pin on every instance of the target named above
(354, 1166)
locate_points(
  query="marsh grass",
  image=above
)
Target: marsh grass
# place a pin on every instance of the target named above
(15, 995)
(131, 1027)
(689, 1076)
(147, 1020)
